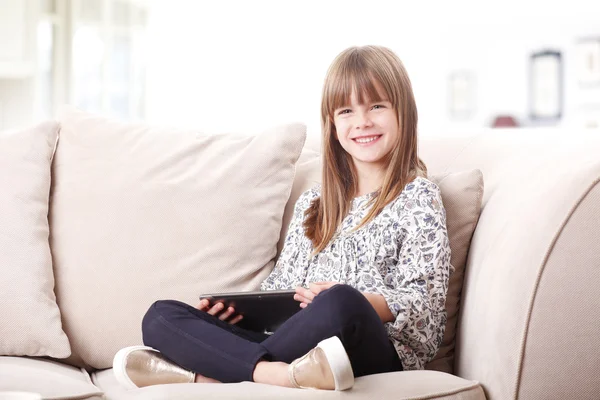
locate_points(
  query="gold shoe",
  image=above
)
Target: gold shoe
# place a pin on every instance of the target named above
(139, 366)
(327, 367)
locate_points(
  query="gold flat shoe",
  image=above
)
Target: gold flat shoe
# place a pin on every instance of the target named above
(325, 367)
(140, 366)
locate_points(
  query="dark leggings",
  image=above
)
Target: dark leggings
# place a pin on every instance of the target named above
(216, 349)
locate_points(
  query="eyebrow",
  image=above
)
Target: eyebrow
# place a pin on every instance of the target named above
(368, 102)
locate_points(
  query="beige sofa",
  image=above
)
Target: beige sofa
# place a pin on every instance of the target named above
(529, 310)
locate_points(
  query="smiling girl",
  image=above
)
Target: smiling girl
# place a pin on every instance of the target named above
(367, 252)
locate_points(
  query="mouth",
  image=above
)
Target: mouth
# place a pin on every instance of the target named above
(367, 140)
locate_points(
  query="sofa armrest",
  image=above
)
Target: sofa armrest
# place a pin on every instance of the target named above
(530, 312)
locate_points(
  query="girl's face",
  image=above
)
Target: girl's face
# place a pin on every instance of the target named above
(368, 132)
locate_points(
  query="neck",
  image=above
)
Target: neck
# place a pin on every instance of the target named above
(370, 179)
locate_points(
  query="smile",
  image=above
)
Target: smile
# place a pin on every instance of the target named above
(367, 140)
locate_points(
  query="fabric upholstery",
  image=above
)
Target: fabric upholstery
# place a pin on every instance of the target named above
(143, 213)
(51, 379)
(565, 314)
(512, 298)
(31, 322)
(462, 193)
(394, 386)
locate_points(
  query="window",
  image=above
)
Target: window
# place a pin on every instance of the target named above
(91, 54)
(48, 78)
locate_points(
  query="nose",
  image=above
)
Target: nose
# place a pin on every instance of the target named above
(363, 121)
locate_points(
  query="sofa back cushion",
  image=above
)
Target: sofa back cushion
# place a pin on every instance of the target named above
(31, 322)
(462, 193)
(144, 213)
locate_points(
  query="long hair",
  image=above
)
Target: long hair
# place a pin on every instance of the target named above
(362, 70)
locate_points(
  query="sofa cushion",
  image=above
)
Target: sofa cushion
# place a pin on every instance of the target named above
(31, 323)
(395, 385)
(308, 174)
(462, 194)
(143, 213)
(51, 379)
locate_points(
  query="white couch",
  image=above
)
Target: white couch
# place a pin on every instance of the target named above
(529, 311)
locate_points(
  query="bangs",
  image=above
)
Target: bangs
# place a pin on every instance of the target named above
(355, 75)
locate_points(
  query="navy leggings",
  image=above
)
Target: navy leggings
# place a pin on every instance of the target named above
(216, 349)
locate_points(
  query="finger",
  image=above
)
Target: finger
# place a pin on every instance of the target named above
(204, 303)
(214, 310)
(303, 294)
(301, 299)
(308, 294)
(226, 314)
(236, 319)
(315, 288)
(303, 305)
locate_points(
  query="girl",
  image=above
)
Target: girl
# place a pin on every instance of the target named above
(367, 251)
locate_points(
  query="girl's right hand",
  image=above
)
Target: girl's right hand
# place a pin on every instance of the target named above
(220, 311)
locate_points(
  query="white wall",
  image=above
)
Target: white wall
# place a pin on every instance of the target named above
(239, 65)
(16, 103)
(17, 52)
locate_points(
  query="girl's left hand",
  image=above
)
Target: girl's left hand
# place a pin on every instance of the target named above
(306, 296)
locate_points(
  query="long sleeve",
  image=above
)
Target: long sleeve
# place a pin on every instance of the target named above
(416, 283)
(290, 268)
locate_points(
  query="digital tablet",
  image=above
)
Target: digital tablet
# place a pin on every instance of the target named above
(263, 311)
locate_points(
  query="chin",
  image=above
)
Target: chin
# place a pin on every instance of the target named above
(369, 160)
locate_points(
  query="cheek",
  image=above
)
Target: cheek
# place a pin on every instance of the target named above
(388, 121)
(341, 128)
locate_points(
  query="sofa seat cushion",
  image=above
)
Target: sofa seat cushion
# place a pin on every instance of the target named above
(51, 379)
(394, 385)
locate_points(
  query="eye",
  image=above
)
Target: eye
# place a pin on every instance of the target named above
(344, 111)
(378, 106)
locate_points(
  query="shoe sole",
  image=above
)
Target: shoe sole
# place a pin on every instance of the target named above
(119, 366)
(339, 362)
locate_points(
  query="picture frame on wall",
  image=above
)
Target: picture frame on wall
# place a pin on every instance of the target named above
(546, 86)
(461, 94)
(587, 61)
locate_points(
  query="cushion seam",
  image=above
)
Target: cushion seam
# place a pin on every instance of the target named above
(474, 385)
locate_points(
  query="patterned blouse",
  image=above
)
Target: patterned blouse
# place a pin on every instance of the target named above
(402, 254)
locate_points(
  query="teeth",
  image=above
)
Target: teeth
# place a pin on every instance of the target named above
(366, 140)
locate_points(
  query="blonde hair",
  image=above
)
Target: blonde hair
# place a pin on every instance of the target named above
(362, 70)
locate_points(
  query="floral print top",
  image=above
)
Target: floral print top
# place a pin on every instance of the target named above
(402, 254)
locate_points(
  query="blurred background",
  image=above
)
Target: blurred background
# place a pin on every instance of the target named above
(237, 66)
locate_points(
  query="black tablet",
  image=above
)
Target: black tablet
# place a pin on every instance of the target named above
(263, 311)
